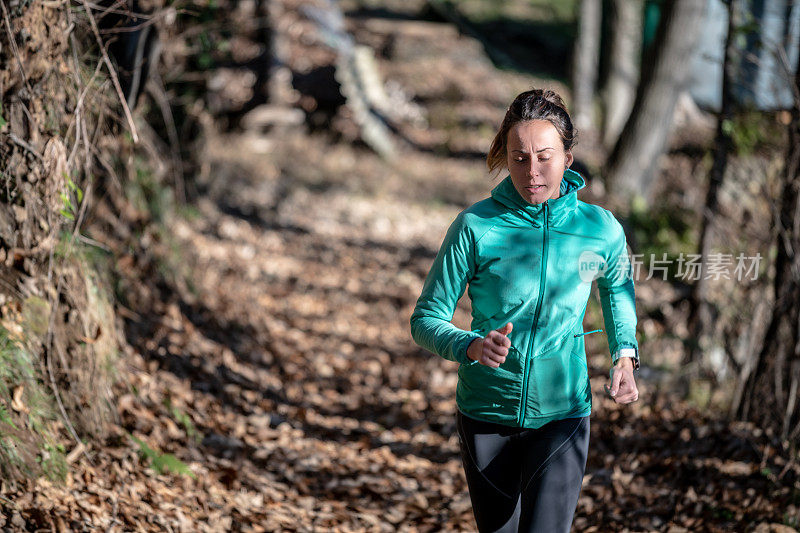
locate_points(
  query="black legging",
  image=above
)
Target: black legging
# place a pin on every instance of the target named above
(520, 479)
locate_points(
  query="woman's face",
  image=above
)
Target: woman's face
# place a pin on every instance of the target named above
(536, 160)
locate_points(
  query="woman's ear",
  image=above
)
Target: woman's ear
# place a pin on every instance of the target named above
(567, 158)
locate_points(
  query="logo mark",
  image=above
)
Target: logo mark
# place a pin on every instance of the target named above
(591, 266)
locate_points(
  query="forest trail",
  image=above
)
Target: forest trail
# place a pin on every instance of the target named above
(270, 352)
(285, 342)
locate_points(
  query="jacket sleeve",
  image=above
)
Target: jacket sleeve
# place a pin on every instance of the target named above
(452, 269)
(618, 297)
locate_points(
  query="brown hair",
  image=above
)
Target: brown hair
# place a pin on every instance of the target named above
(535, 104)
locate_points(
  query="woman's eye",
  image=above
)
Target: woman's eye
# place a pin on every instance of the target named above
(519, 159)
(544, 159)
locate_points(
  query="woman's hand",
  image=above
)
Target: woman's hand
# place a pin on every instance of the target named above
(493, 348)
(623, 387)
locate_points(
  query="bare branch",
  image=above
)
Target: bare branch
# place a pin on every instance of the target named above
(112, 72)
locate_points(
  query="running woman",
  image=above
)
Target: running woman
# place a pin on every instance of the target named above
(529, 254)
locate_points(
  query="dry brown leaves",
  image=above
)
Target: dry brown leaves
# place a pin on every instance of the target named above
(269, 351)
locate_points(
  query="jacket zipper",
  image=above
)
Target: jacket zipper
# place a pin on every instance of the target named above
(542, 278)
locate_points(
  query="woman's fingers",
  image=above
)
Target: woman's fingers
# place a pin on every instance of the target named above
(500, 351)
(492, 359)
(627, 393)
(497, 343)
(487, 361)
(493, 356)
(627, 398)
(498, 338)
(495, 348)
(622, 398)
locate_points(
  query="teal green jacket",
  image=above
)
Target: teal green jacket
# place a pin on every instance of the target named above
(531, 265)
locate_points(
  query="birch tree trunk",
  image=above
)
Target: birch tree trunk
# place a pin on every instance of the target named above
(586, 61)
(700, 314)
(624, 60)
(666, 69)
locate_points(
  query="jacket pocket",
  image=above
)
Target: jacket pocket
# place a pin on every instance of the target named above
(558, 377)
(514, 359)
(487, 391)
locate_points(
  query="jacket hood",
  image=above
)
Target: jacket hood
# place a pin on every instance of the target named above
(558, 208)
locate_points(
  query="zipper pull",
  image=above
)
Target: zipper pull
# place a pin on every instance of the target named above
(587, 332)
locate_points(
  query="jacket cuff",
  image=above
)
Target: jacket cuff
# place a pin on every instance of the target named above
(461, 353)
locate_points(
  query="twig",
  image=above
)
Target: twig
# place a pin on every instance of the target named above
(78, 109)
(87, 158)
(77, 143)
(795, 378)
(136, 78)
(46, 244)
(112, 72)
(112, 9)
(156, 89)
(76, 71)
(22, 143)
(92, 242)
(11, 288)
(130, 29)
(81, 212)
(789, 464)
(9, 501)
(76, 451)
(113, 175)
(783, 59)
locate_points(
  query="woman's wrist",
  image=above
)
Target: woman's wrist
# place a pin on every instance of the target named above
(624, 362)
(474, 349)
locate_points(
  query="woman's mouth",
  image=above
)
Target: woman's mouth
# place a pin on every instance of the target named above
(535, 188)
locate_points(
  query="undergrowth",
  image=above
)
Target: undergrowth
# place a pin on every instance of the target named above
(29, 420)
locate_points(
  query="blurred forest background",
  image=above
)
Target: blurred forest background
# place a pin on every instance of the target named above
(217, 216)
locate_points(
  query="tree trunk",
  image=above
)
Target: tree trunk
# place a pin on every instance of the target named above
(586, 61)
(623, 75)
(700, 312)
(770, 392)
(630, 168)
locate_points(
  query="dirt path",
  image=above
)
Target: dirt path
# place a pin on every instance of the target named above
(288, 349)
(272, 356)
(270, 352)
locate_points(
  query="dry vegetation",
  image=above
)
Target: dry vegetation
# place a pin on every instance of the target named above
(243, 361)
